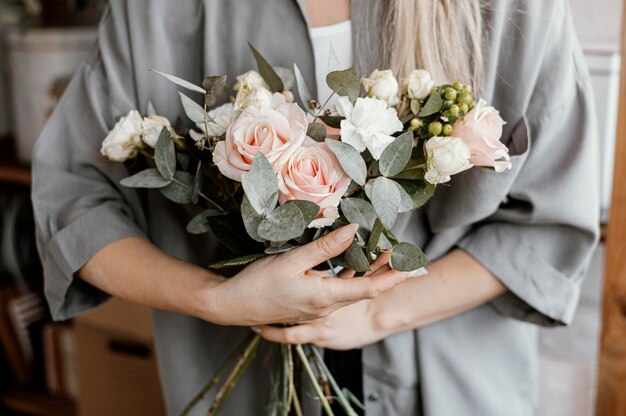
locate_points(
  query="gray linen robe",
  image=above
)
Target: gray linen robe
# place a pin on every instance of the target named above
(534, 226)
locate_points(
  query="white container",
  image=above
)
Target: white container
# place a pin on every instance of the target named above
(41, 61)
(604, 64)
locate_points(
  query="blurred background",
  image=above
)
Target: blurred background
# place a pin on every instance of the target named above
(103, 363)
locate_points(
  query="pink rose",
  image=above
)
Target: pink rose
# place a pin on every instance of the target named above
(314, 174)
(276, 132)
(481, 130)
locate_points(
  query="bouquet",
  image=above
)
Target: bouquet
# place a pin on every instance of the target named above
(270, 174)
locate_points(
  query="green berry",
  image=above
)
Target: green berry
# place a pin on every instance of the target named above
(447, 105)
(457, 86)
(415, 123)
(454, 110)
(464, 108)
(447, 129)
(450, 94)
(435, 128)
(467, 89)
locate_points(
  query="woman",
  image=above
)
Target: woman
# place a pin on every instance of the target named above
(509, 249)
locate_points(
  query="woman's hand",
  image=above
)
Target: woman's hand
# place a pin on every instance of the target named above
(285, 289)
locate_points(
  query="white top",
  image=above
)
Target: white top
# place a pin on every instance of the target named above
(332, 50)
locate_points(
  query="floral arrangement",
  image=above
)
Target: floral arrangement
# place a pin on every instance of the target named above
(270, 174)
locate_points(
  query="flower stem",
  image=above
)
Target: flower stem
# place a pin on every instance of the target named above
(341, 397)
(323, 105)
(218, 375)
(231, 381)
(203, 196)
(316, 385)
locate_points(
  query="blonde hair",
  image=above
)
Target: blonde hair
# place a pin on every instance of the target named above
(446, 37)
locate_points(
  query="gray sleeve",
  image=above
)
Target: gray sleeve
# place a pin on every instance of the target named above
(79, 205)
(540, 240)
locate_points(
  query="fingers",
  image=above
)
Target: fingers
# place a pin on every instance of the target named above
(299, 334)
(324, 248)
(353, 290)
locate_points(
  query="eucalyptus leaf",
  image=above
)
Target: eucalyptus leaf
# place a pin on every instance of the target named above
(179, 190)
(377, 231)
(287, 76)
(317, 132)
(183, 160)
(261, 185)
(415, 106)
(332, 121)
(280, 249)
(267, 71)
(165, 154)
(180, 82)
(196, 187)
(237, 262)
(251, 219)
(385, 198)
(356, 259)
(396, 155)
(308, 209)
(406, 203)
(407, 257)
(149, 178)
(282, 224)
(194, 111)
(350, 160)
(214, 86)
(419, 192)
(199, 224)
(432, 106)
(303, 90)
(358, 211)
(344, 83)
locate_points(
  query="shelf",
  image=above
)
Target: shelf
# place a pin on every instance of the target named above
(15, 174)
(33, 403)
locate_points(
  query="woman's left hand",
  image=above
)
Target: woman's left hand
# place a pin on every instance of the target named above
(352, 326)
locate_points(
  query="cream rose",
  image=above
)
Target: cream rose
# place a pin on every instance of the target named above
(151, 128)
(314, 174)
(249, 80)
(481, 130)
(276, 132)
(255, 96)
(368, 124)
(382, 85)
(419, 84)
(445, 156)
(124, 139)
(223, 116)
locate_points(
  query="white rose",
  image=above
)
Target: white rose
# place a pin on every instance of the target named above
(368, 124)
(222, 117)
(445, 156)
(124, 139)
(249, 80)
(152, 126)
(383, 85)
(255, 96)
(419, 84)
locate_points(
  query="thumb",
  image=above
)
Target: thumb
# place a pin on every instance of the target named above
(325, 248)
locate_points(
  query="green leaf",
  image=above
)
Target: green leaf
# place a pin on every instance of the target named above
(199, 224)
(149, 178)
(375, 235)
(193, 110)
(308, 209)
(344, 83)
(385, 198)
(432, 106)
(415, 106)
(396, 155)
(165, 154)
(350, 160)
(358, 211)
(283, 224)
(317, 132)
(356, 259)
(180, 82)
(237, 262)
(280, 249)
(419, 192)
(183, 160)
(332, 121)
(214, 86)
(179, 190)
(303, 90)
(251, 219)
(196, 187)
(267, 71)
(261, 185)
(407, 257)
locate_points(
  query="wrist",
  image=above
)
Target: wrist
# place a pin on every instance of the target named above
(205, 300)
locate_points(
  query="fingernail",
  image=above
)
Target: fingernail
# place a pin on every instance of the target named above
(255, 329)
(347, 233)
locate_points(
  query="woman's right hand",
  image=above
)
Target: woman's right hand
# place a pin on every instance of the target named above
(285, 289)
